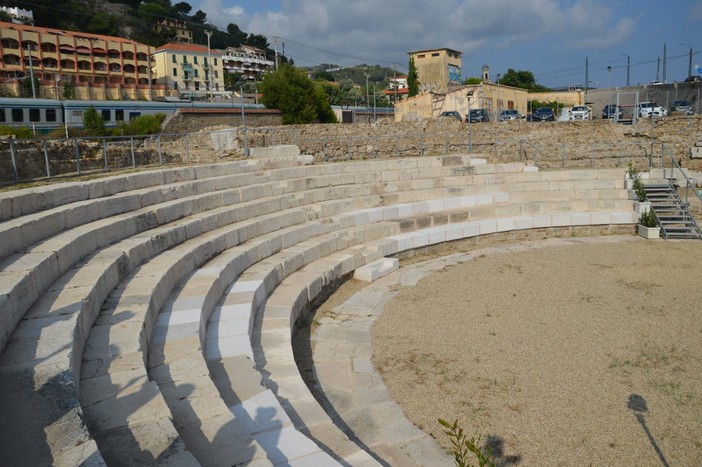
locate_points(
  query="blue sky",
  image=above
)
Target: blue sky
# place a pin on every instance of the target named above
(550, 38)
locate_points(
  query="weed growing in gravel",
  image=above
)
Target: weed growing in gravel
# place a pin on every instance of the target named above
(462, 446)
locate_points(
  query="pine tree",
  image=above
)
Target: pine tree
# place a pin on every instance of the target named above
(412, 78)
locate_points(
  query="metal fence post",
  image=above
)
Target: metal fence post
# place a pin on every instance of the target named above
(131, 148)
(104, 154)
(187, 148)
(324, 149)
(348, 146)
(46, 160)
(158, 149)
(14, 160)
(77, 152)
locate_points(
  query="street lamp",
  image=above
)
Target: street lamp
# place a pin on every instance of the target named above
(689, 64)
(628, 68)
(497, 114)
(207, 68)
(470, 128)
(243, 118)
(367, 93)
(609, 92)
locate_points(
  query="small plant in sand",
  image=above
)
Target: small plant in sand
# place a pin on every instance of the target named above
(632, 171)
(462, 446)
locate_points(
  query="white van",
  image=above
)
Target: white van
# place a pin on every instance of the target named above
(645, 109)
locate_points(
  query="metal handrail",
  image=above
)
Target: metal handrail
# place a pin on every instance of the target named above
(675, 165)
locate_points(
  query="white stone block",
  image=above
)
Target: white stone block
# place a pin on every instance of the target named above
(405, 210)
(530, 169)
(230, 346)
(500, 197)
(601, 218)
(454, 232)
(284, 446)
(436, 235)
(467, 201)
(580, 218)
(404, 241)
(471, 229)
(487, 227)
(542, 220)
(451, 204)
(390, 213)
(620, 217)
(561, 219)
(435, 205)
(505, 224)
(485, 198)
(525, 222)
(420, 239)
(377, 269)
(477, 161)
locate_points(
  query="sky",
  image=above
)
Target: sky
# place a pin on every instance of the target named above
(550, 38)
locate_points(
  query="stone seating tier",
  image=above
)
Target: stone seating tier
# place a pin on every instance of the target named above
(143, 376)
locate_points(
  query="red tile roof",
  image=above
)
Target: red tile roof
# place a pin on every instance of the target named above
(185, 47)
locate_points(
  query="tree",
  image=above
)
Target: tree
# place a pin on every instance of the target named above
(93, 122)
(257, 40)
(182, 8)
(324, 75)
(473, 80)
(236, 35)
(521, 79)
(412, 78)
(199, 17)
(292, 92)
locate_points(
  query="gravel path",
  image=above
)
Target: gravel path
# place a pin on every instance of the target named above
(587, 354)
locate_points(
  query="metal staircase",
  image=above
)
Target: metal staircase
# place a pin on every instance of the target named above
(673, 215)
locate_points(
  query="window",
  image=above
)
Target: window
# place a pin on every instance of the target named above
(185, 59)
(435, 54)
(197, 73)
(216, 73)
(34, 115)
(119, 115)
(2, 115)
(133, 115)
(174, 59)
(195, 60)
(215, 62)
(17, 115)
(175, 71)
(50, 115)
(420, 56)
(205, 61)
(106, 115)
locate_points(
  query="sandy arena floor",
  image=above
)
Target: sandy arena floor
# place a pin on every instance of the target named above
(579, 355)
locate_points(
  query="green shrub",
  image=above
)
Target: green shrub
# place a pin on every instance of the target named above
(461, 446)
(648, 219)
(17, 132)
(141, 125)
(639, 189)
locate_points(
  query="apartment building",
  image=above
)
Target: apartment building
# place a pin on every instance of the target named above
(438, 69)
(193, 70)
(250, 62)
(180, 29)
(69, 64)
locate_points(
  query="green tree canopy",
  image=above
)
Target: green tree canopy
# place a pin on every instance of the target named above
(472, 80)
(412, 78)
(521, 79)
(93, 122)
(291, 91)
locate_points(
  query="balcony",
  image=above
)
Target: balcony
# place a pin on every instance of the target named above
(187, 67)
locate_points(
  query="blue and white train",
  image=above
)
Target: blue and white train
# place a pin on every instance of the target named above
(44, 115)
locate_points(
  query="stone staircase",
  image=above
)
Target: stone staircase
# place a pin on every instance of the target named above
(674, 217)
(147, 319)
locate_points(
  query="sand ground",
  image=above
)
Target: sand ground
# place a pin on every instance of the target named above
(580, 355)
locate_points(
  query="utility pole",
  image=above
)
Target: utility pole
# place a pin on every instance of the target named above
(689, 64)
(275, 48)
(628, 68)
(208, 72)
(587, 74)
(665, 63)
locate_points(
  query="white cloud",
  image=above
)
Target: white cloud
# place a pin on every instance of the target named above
(385, 31)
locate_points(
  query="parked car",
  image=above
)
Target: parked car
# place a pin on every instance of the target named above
(693, 79)
(612, 111)
(682, 107)
(543, 114)
(509, 114)
(451, 113)
(580, 112)
(478, 115)
(645, 109)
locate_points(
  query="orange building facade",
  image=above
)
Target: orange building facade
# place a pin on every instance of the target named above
(75, 65)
